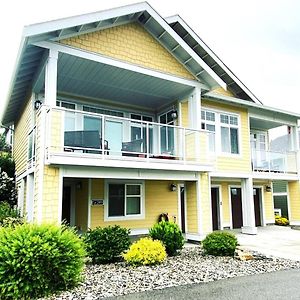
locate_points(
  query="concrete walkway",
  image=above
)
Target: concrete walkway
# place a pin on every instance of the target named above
(273, 240)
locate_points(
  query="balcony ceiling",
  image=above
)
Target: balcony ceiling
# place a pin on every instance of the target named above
(80, 77)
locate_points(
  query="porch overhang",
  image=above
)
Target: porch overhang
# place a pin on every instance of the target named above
(31, 58)
(97, 77)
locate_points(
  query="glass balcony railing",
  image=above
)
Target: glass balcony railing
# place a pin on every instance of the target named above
(112, 137)
(276, 162)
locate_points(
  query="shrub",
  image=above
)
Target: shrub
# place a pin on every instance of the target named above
(105, 245)
(220, 243)
(281, 221)
(170, 234)
(9, 215)
(36, 260)
(145, 252)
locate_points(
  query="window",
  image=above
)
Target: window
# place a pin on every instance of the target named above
(208, 119)
(167, 134)
(138, 130)
(64, 104)
(229, 133)
(124, 200)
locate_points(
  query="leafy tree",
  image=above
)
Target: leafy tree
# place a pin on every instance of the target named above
(8, 190)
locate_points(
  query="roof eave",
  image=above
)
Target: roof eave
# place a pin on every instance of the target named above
(177, 18)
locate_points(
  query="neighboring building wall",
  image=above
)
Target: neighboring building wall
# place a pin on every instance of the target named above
(158, 199)
(22, 128)
(294, 199)
(242, 161)
(130, 43)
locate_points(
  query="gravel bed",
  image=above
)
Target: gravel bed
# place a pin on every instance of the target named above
(191, 266)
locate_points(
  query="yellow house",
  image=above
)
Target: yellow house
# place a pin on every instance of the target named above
(121, 115)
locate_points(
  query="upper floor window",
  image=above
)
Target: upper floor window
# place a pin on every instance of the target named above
(224, 131)
(208, 119)
(229, 133)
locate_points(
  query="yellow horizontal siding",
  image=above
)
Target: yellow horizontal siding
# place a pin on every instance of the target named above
(232, 163)
(130, 43)
(223, 92)
(205, 203)
(294, 197)
(20, 149)
(191, 207)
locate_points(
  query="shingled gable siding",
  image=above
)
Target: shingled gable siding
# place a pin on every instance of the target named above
(130, 43)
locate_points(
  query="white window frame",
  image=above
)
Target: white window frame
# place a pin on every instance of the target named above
(229, 126)
(218, 125)
(209, 122)
(140, 216)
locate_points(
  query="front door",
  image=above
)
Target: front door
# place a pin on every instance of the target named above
(256, 198)
(215, 208)
(66, 205)
(236, 207)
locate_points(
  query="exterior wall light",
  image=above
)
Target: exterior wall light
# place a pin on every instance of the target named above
(37, 104)
(268, 188)
(173, 187)
(174, 114)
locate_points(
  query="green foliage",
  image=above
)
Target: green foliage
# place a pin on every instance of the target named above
(281, 221)
(105, 244)
(170, 234)
(145, 252)
(220, 243)
(7, 164)
(3, 145)
(9, 215)
(36, 260)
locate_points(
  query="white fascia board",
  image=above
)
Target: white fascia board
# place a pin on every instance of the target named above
(162, 22)
(178, 19)
(275, 176)
(14, 74)
(249, 104)
(117, 63)
(63, 23)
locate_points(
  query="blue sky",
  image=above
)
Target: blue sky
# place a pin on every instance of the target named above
(258, 40)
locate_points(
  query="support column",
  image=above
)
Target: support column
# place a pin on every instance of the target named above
(51, 78)
(248, 207)
(195, 109)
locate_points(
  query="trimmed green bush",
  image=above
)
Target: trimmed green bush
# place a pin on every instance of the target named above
(106, 244)
(37, 260)
(145, 252)
(220, 243)
(170, 234)
(9, 215)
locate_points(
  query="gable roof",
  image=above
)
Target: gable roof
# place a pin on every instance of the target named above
(211, 59)
(31, 59)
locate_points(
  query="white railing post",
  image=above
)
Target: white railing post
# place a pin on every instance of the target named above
(103, 136)
(183, 145)
(147, 140)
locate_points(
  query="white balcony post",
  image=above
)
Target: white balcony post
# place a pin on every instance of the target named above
(51, 78)
(184, 144)
(248, 207)
(147, 140)
(103, 135)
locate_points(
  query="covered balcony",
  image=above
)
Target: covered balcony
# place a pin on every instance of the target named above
(279, 161)
(113, 141)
